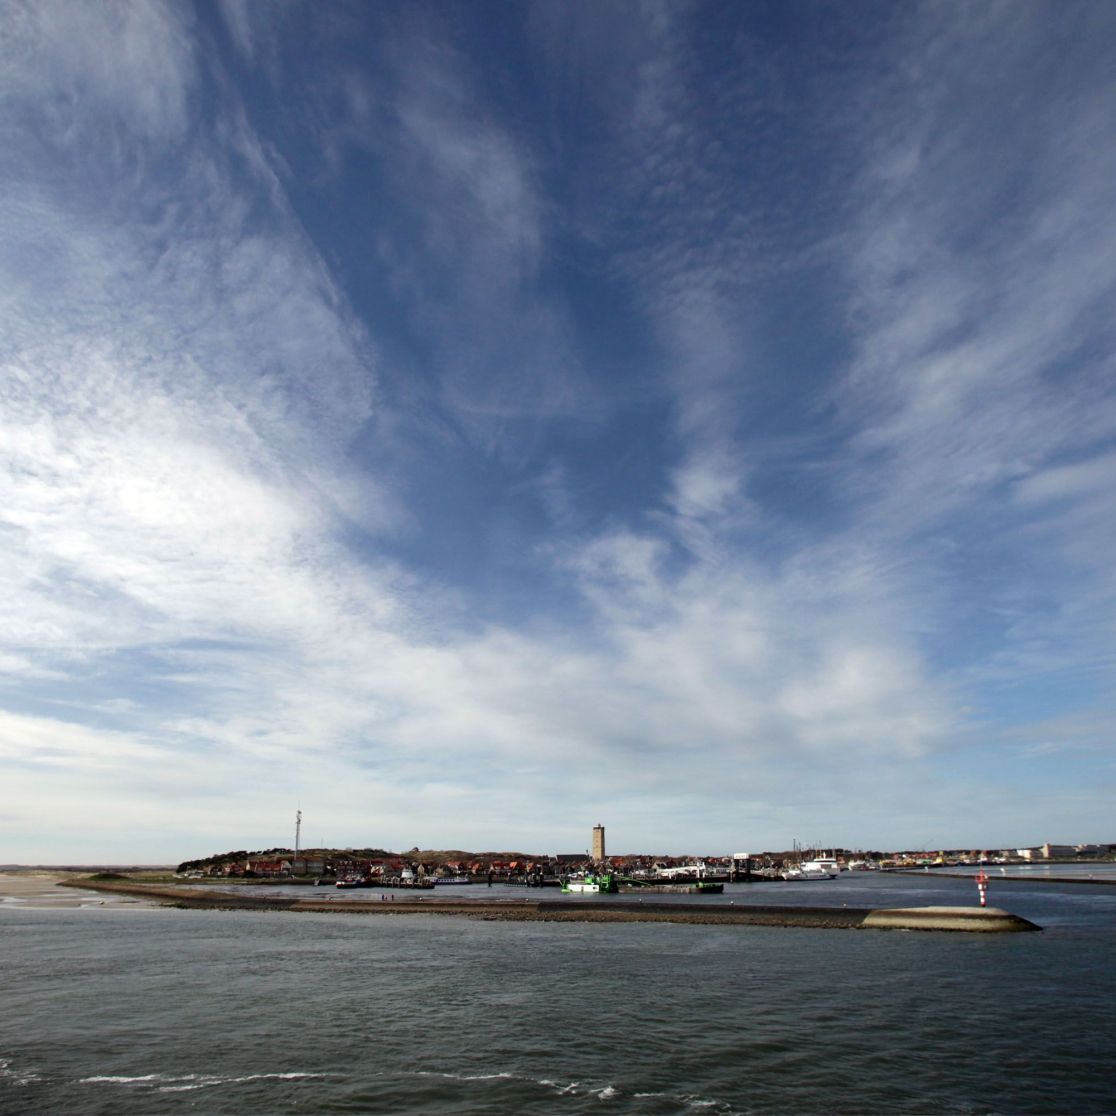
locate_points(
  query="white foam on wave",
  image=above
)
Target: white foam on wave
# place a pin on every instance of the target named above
(690, 1100)
(183, 1082)
(122, 1080)
(608, 1092)
(466, 1076)
(16, 1077)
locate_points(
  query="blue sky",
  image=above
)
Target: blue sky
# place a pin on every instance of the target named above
(473, 422)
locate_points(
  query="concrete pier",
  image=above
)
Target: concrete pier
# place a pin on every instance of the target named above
(983, 920)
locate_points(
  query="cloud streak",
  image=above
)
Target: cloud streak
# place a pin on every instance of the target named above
(761, 418)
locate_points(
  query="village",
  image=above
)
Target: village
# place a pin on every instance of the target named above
(431, 868)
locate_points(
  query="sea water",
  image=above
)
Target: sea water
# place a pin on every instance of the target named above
(128, 1010)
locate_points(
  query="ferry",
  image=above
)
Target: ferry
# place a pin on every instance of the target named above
(799, 873)
(821, 868)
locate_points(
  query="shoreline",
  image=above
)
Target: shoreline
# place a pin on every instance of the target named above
(1002, 879)
(965, 919)
(38, 890)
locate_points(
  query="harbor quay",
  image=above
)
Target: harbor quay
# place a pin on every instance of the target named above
(963, 919)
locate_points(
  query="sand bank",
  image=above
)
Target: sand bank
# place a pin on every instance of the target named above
(35, 890)
(601, 910)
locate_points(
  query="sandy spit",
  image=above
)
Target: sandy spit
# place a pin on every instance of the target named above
(518, 910)
(34, 890)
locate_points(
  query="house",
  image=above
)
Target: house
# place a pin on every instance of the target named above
(267, 868)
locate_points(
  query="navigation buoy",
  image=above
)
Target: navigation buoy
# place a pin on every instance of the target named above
(982, 887)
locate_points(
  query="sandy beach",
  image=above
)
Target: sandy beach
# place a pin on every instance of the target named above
(33, 890)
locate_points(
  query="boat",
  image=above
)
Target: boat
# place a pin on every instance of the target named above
(671, 887)
(709, 887)
(690, 873)
(354, 881)
(443, 881)
(821, 868)
(603, 884)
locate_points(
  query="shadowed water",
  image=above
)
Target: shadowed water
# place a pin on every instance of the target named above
(168, 1011)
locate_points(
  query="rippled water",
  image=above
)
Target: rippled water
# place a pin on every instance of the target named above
(123, 1010)
(1084, 870)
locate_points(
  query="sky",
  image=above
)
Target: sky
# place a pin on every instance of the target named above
(471, 422)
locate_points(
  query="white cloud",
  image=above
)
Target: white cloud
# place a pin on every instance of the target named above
(80, 63)
(976, 275)
(182, 379)
(237, 16)
(1070, 482)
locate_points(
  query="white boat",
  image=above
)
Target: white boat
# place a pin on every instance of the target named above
(821, 868)
(799, 873)
(699, 870)
(444, 880)
(582, 885)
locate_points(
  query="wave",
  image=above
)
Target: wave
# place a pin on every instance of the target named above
(185, 1082)
(690, 1101)
(16, 1077)
(685, 1101)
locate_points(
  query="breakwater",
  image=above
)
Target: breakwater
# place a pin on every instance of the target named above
(598, 910)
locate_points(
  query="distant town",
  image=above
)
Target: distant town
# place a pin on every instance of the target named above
(372, 865)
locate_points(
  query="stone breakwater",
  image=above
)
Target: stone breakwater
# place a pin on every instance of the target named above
(987, 920)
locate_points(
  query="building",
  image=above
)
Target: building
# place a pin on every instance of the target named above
(267, 868)
(598, 843)
(1058, 852)
(308, 865)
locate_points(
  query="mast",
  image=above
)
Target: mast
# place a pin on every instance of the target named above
(298, 830)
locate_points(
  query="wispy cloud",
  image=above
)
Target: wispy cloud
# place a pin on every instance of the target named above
(80, 67)
(791, 454)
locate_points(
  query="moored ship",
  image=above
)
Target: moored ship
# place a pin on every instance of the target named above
(603, 884)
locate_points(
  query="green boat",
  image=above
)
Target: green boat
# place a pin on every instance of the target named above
(604, 884)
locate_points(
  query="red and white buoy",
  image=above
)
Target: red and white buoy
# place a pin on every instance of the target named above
(982, 887)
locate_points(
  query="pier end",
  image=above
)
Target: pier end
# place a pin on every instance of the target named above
(985, 920)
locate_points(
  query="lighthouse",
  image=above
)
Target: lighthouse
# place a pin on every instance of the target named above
(598, 844)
